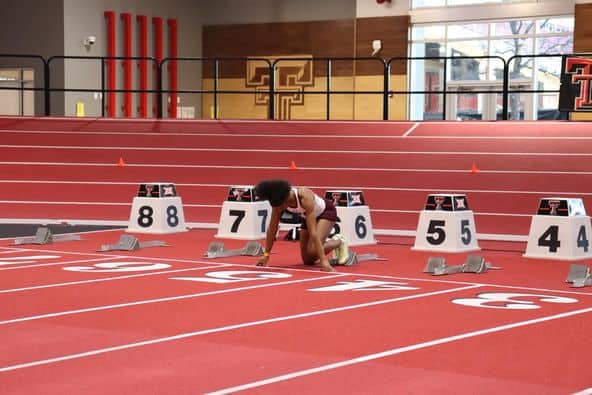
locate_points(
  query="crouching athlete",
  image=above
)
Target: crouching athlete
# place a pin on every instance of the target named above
(318, 217)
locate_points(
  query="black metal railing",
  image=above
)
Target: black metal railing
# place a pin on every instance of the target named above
(47, 65)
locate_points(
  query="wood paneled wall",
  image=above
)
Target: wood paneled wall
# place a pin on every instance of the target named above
(319, 39)
(392, 31)
(583, 28)
(322, 39)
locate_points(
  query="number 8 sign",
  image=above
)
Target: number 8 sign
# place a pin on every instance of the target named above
(157, 215)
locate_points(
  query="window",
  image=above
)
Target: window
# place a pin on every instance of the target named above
(415, 4)
(481, 49)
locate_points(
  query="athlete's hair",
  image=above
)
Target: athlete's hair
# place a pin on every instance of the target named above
(276, 191)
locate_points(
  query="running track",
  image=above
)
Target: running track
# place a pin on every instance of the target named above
(64, 170)
(166, 321)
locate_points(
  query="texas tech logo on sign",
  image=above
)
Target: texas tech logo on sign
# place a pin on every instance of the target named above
(576, 76)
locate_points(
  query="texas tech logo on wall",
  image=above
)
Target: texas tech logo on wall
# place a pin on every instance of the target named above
(576, 77)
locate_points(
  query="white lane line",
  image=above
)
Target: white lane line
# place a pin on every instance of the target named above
(587, 391)
(411, 129)
(167, 299)
(98, 280)
(64, 202)
(78, 203)
(395, 351)
(369, 188)
(303, 168)
(166, 135)
(218, 206)
(305, 135)
(225, 328)
(293, 151)
(115, 256)
(55, 263)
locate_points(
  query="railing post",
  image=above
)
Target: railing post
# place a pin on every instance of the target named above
(328, 115)
(21, 93)
(386, 88)
(102, 87)
(505, 91)
(46, 88)
(444, 89)
(216, 76)
(159, 90)
(272, 91)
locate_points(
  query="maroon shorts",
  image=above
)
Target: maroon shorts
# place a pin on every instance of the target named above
(330, 214)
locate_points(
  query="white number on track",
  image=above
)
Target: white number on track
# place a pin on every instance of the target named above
(233, 276)
(365, 285)
(26, 259)
(108, 267)
(512, 301)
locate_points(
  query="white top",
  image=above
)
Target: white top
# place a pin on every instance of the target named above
(319, 205)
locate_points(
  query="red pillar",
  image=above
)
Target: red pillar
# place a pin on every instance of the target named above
(111, 70)
(127, 64)
(172, 24)
(143, 51)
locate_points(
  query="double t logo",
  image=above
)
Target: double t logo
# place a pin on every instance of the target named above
(580, 70)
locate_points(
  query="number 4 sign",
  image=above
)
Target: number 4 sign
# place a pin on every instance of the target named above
(560, 230)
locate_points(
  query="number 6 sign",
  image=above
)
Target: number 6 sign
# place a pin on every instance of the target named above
(356, 225)
(354, 214)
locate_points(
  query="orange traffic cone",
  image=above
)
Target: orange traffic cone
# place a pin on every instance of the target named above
(474, 168)
(121, 163)
(293, 165)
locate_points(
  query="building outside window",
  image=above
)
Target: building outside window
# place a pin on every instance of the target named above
(481, 48)
(417, 4)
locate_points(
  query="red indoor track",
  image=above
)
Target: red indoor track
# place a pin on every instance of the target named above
(165, 320)
(65, 170)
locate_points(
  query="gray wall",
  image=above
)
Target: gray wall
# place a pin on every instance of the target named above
(227, 12)
(34, 27)
(86, 18)
(57, 28)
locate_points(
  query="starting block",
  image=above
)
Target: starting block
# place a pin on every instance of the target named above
(560, 230)
(437, 266)
(44, 236)
(216, 250)
(157, 209)
(242, 216)
(446, 224)
(579, 276)
(434, 263)
(131, 243)
(356, 258)
(354, 215)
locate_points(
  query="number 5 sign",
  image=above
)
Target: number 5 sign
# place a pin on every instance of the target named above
(446, 225)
